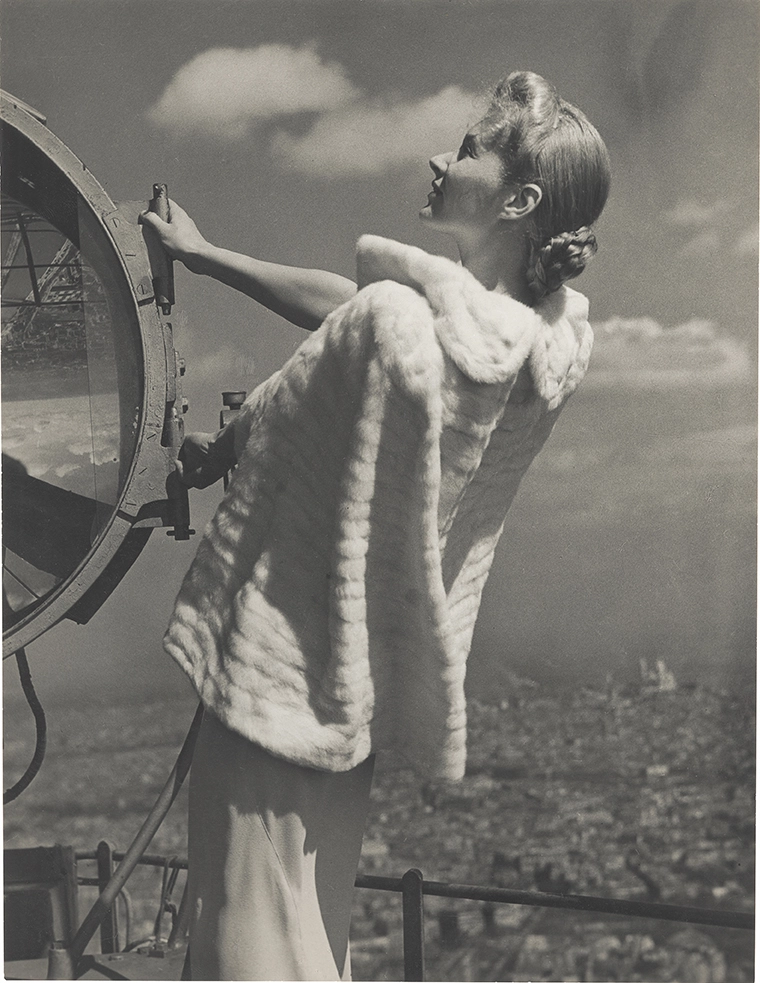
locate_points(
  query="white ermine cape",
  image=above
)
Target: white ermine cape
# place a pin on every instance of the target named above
(330, 608)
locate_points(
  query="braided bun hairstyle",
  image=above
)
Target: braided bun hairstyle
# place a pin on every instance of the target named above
(543, 140)
(559, 258)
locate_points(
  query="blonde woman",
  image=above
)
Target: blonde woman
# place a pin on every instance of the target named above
(329, 611)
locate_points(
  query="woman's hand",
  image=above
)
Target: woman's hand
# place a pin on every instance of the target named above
(179, 236)
(206, 457)
(305, 297)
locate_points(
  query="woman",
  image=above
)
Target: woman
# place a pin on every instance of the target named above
(329, 612)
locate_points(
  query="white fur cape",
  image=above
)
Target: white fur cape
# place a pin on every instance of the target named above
(330, 608)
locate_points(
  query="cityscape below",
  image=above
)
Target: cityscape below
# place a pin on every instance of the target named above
(642, 790)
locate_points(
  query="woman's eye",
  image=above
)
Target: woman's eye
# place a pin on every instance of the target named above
(466, 150)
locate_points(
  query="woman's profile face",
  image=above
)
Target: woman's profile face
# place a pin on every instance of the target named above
(468, 188)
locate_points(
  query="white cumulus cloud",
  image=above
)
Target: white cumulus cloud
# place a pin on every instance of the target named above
(225, 92)
(641, 353)
(694, 212)
(709, 228)
(367, 137)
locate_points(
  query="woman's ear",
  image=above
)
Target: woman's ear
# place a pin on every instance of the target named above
(521, 202)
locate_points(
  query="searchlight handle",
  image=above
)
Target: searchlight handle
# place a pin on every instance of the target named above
(232, 400)
(162, 268)
(163, 279)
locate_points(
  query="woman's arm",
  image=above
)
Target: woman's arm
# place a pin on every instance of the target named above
(304, 297)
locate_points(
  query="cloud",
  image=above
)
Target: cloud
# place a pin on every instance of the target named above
(370, 136)
(639, 353)
(225, 92)
(654, 455)
(709, 227)
(102, 447)
(693, 212)
(56, 440)
(704, 245)
(64, 469)
(747, 243)
(715, 448)
(226, 363)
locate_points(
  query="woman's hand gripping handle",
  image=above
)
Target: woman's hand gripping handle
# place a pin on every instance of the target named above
(206, 457)
(179, 236)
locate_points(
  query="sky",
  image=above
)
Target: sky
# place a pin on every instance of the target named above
(289, 128)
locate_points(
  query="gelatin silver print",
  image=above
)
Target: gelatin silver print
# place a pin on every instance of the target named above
(379, 502)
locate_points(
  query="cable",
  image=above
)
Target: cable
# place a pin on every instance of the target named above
(66, 960)
(32, 699)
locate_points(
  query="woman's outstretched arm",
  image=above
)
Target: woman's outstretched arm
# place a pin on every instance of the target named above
(303, 296)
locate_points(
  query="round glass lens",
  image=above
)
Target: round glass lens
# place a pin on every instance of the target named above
(70, 395)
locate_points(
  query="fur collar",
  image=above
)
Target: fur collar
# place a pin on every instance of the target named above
(478, 328)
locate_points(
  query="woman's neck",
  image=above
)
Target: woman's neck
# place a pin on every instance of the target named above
(498, 263)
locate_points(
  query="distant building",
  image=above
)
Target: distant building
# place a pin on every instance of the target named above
(656, 679)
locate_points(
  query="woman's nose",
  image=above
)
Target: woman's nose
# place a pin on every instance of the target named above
(439, 163)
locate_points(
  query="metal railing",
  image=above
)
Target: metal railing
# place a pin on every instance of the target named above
(413, 887)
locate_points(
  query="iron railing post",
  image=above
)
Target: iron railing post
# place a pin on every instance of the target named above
(109, 927)
(58, 964)
(414, 925)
